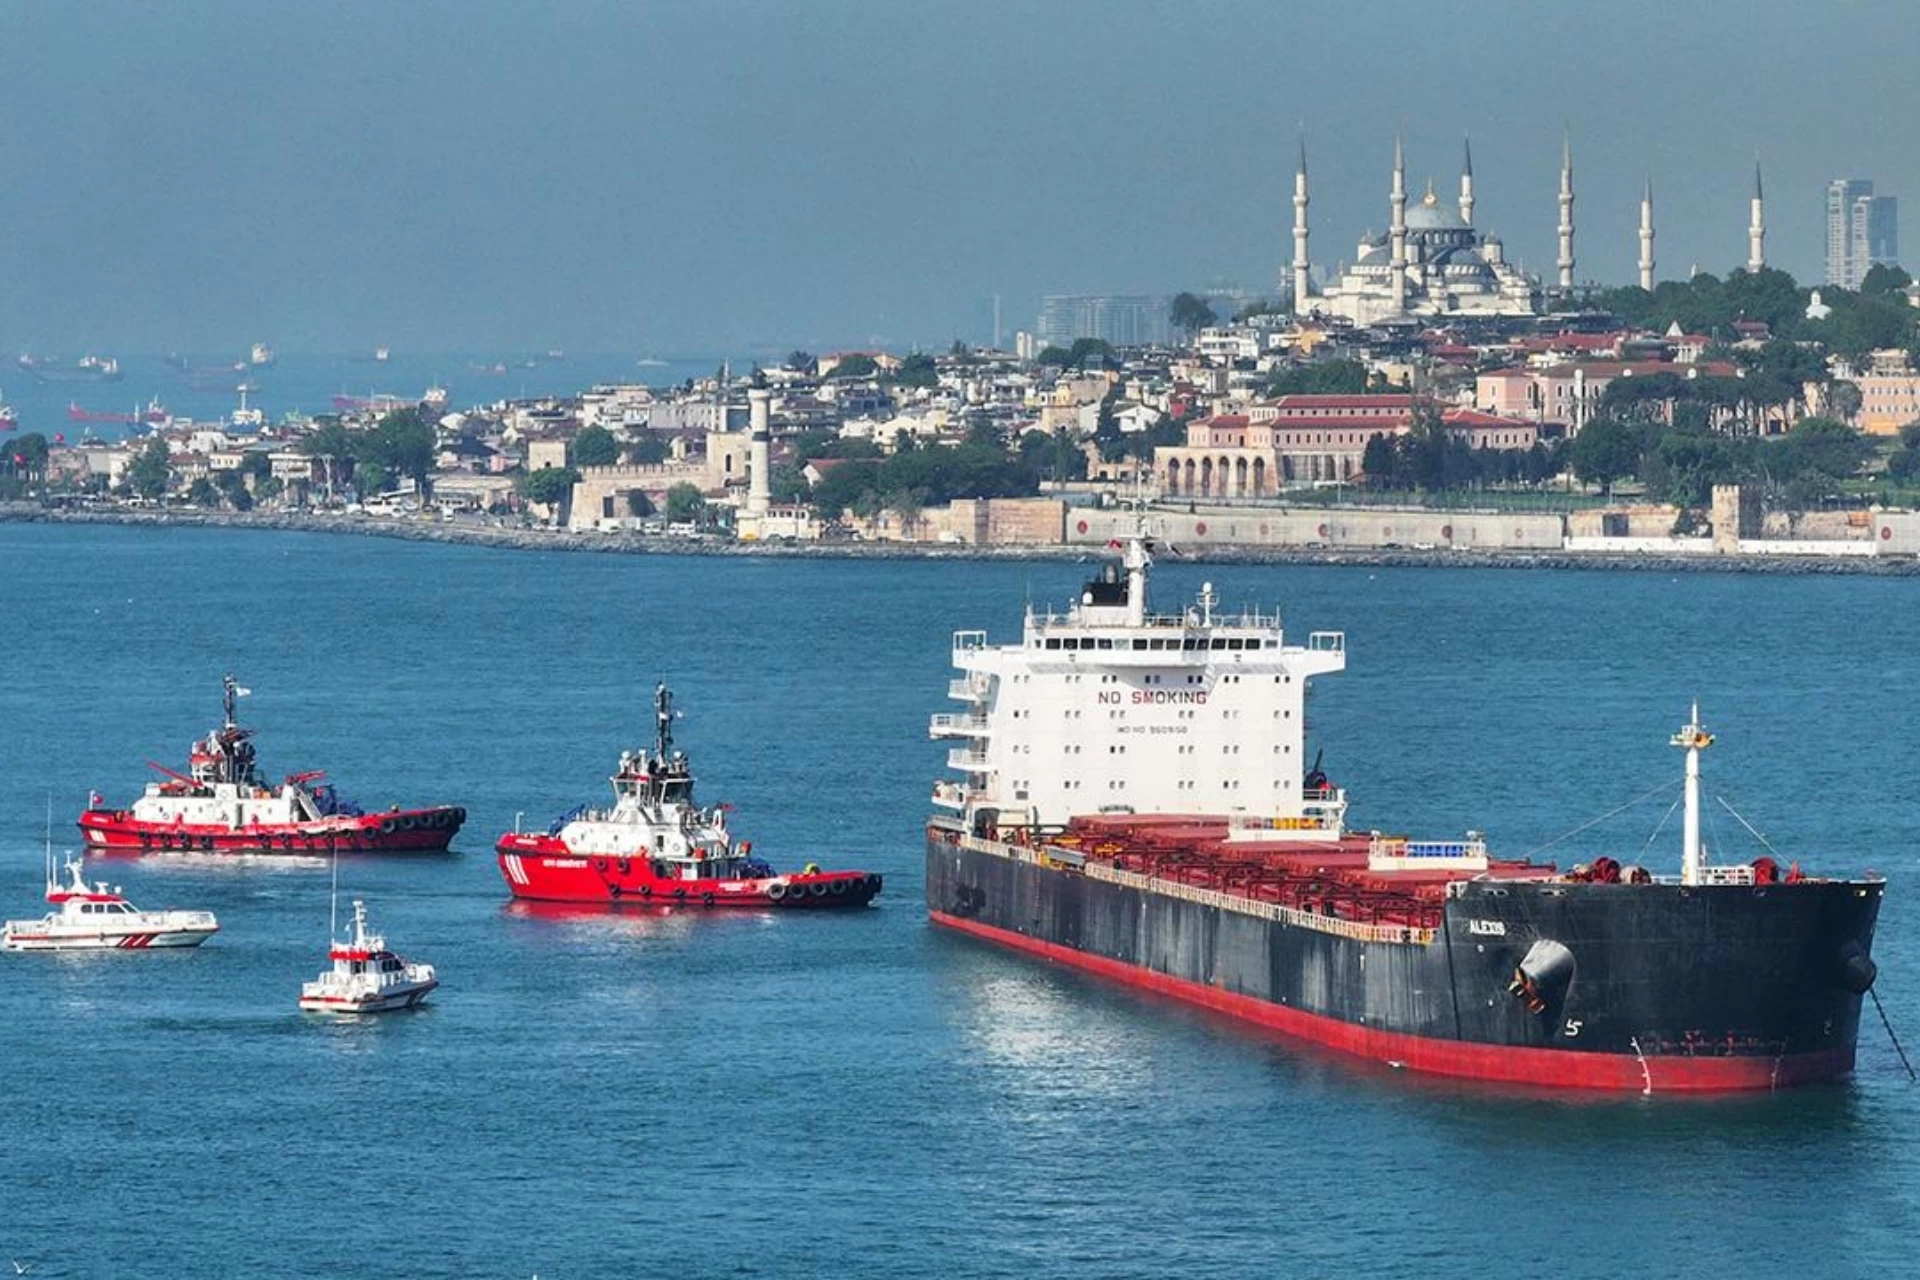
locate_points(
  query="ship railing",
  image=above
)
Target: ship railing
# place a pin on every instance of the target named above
(1359, 930)
(949, 795)
(967, 759)
(1397, 853)
(1328, 641)
(969, 689)
(968, 725)
(185, 919)
(969, 641)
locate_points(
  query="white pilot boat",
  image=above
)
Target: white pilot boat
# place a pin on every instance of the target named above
(366, 977)
(96, 918)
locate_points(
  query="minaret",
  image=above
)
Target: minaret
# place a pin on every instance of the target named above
(759, 464)
(1646, 238)
(1398, 228)
(1757, 226)
(1301, 285)
(1566, 214)
(1466, 181)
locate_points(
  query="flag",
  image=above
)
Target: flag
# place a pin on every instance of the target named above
(241, 691)
(95, 799)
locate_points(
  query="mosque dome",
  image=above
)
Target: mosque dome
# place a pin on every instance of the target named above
(1431, 215)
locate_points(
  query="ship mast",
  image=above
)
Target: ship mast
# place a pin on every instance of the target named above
(1693, 739)
(663, 721)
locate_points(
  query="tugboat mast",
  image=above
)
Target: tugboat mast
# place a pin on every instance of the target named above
(1693, 739)
(663, 721)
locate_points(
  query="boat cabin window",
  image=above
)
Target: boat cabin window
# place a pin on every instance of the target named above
(1053, 642)
(359, 966)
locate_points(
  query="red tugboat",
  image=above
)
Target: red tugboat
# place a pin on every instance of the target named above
(657, 847)
(223, 805)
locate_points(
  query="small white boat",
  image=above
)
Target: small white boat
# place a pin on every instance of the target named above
(96, 918)
(366, 977)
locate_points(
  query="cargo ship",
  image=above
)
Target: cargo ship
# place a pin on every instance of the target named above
(222, 804)
(1133, 801)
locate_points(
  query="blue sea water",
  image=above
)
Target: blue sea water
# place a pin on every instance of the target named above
(601, 1094)
(306, 383)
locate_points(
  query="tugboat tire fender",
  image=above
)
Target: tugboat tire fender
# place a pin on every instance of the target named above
(386, 826)
(680, 894)
(614, 890)
(646, 891)
(819, 889)
(838, 888)
(776, 891)
(625, 866)
(706, 899)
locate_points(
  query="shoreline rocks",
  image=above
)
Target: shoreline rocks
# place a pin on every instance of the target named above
(534, 539)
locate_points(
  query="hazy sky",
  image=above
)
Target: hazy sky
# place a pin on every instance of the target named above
(702, 177)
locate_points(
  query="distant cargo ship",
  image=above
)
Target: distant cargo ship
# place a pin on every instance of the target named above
(154, 414)
(1135, 805)
(85, 369)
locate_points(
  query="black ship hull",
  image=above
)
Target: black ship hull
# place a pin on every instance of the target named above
(1646, 987)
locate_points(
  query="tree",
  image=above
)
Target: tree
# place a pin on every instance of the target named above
(370, 478)
(1322, 378)
(203, 493)
(594, 447)
(1606, 450)
(854, 366)
(1844, 399)
(334, 445)
(907, 504)
(917, 370)
(801, 362)
(787, 483)
(269, 488)
(685, 504)
(29, 455)
(233, 486)
(151, 470)
(549, 486)
(404, 443)
(639, 505)
(256, 465)
(1191, 314)
(650, 450)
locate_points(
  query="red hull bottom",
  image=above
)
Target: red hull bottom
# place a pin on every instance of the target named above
(537, 874)
(106, 835)
(1550, 1068)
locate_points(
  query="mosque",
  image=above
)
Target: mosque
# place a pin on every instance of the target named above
(1433, 262)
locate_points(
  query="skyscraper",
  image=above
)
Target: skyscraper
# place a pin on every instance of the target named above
(1862, 231)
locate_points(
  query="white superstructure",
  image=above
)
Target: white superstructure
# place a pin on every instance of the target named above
(94, 917)
(366, 977)
(1110, 708)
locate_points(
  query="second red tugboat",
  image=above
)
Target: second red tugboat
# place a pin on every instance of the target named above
(657, 847)
(223, 805)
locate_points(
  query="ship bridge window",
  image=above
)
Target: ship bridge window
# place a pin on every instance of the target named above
(1162, 643)
(1140, 644)
(1053, 642)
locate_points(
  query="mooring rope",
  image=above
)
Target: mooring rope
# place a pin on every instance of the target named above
(1881, 1009)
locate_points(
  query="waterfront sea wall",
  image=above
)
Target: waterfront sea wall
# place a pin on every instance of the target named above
(1899, 542)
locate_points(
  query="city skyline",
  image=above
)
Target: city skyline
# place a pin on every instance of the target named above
(676, 179)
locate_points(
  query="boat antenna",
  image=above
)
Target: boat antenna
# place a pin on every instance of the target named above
(333, 901)
(228, 689)
(663, 720)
